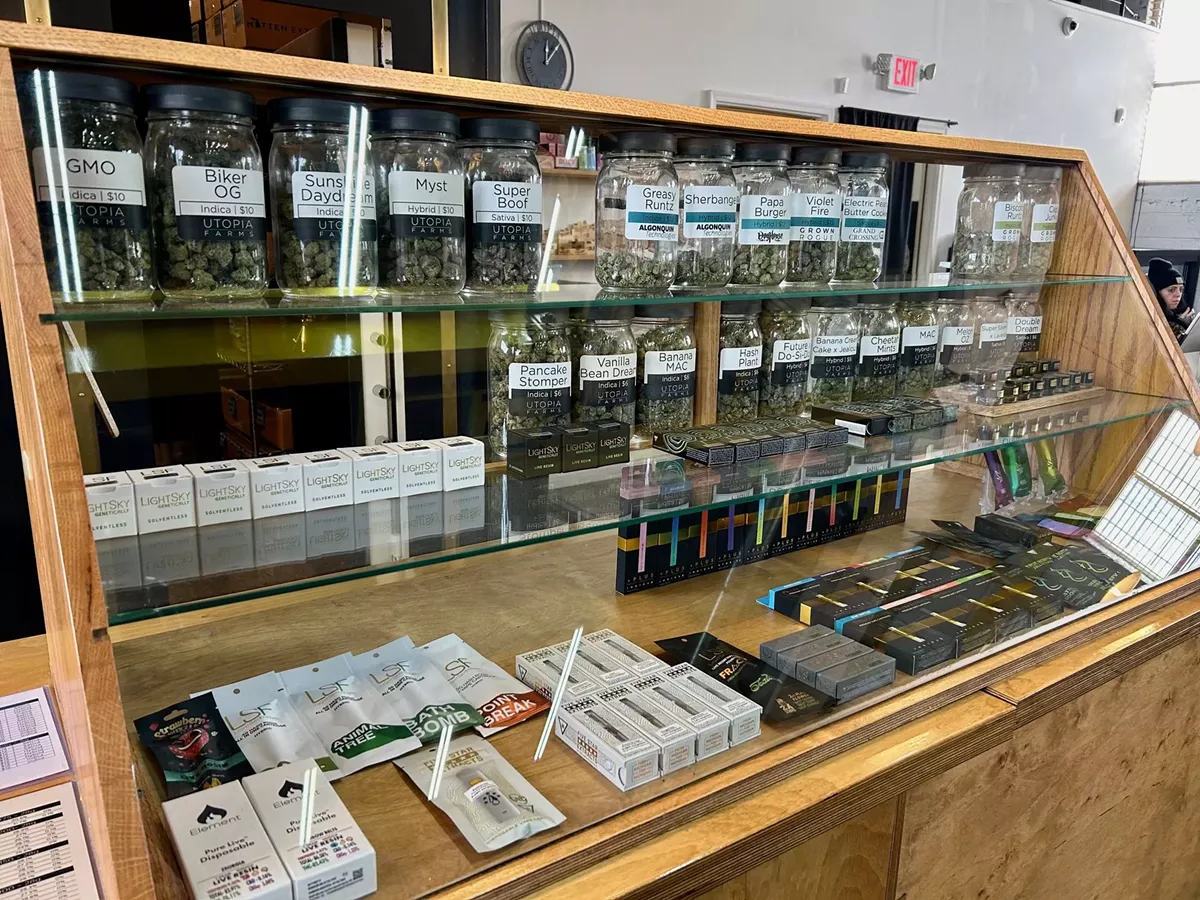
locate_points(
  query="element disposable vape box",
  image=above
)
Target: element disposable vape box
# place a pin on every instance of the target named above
(165, 498)
(328, 479)
(613, 746)
(222, 492)
(110, 505)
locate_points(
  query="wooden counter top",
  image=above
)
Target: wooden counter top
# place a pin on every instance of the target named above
(24, 664)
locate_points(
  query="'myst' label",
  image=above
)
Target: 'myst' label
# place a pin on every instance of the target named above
(789, 362)
(669, 374)
(607, 380)
(739, 370)
(506, 212)
(214, 203)
(918, 346)
(539, 389)
(427, 205)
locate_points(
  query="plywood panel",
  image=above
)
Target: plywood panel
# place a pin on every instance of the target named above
(1095, 795)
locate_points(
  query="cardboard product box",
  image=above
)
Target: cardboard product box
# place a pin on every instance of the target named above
(210, 8)
(462, 463)
(272, 423)
(535, 451)
(120, 563)
(328, 479)
(421, 468)
(268, 25)
(165, 498)
(613, 746)
(110, 505)
(214, 31)
(276, 486)
(339, 862)
(222, 492)
(376, 473)
(223, 849)
(676, 741)
(542, 671)
(634, 658)
(743, 715)
(711, 728)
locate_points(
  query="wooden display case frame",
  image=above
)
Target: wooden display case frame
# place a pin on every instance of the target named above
(1097, 327)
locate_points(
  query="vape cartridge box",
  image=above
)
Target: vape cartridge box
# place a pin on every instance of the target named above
(222, 847)
(743, 715)
(110, 505)
(627, 653)
(612, 442)
(600, 664)
(616, 749)
(542, 670)
(328, 479)
(462, 463)
(165, 498)
(420, 467)
(676, 741)
(857, 676)
(711, 728)
(276, 486)
(578, 447)
(535, 451)
(222, 492)
(768, 651)
(338, 862)
(376, 473)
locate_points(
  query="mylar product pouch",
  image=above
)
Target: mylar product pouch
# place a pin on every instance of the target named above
(346, 713)
(267, 727)
(482, 793)
(498, 696)
(192, 746)
(414, 687)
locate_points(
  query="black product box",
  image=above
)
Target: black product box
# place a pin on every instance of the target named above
(820, 434)
(859, 419)
(786, 598)
(716, 451)
(1047, 365)
(612, 442)
(1077, 574)
(534, 451)
(579, 448)
(1002, 528)
(916, 649)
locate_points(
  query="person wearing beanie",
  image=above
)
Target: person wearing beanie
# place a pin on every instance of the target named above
(1168, 287)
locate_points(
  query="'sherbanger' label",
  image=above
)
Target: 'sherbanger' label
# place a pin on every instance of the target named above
(709, 212)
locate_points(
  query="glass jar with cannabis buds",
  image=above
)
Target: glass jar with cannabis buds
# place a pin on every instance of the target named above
(834, 326)
(708, 197)
(604, 360)
(666, 377)
(764, 214)
(878, 348)
(864, 216)
(1040, 195)
(990, 215)
(783, 377)
(741, 350)
(529, 374)
(816, 214)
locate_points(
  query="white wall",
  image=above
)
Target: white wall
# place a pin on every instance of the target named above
(1005, 70)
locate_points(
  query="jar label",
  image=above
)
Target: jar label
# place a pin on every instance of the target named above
(320, 207)
(833, 355)
(864, 219)
(879, 354)
(506, 212)
(709, 212)
(739, 370)
(1006, 221)
(669, 374)
(815, 217)
(954, 344)
(539, 389)
(427, 205)
(607, 380)
(1026, 333)
(106, 188)
(651, 213)
(993, 337)
(215, 203)
(918, 345)
(789, 362)
(1045, 223)
(763, 219)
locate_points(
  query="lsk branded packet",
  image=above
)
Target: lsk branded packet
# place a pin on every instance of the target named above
(498, 696)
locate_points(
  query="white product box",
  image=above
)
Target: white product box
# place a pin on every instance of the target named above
(279, 539)
(276, 486)
(420, 466)
(110, 505)
(743, 714)
(628, 654)
(328, 479)
(376, 473)
(676, 741)
(169, 556)
(542, 671)
(222, 492)
(711, 728)
(338, 863)
(329, 531)
(462, 463)
(464, 510)
(601, 666)
(611, 744)
(226, 548)
(165, 498)
(223, 848)
(120, 563)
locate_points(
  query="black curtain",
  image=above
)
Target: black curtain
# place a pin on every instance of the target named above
(898, 250)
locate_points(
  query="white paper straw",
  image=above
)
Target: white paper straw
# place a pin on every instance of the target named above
(559, 693)
(439, 760)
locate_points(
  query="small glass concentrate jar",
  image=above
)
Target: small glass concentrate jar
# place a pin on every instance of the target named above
(816, 215)
(637, 211)
(500, 157)
(708, 197)
(740, 359)
(764, 214)
(208, 188)
(987, 234)
(604, 358)
(864, 216)
(666, 377)
(422, 202)
(1039, 229)
(783, 377)
(323, 196)
(89, 186)
(529, 374)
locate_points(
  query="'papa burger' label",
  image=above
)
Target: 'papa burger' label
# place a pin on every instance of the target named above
(764, 219)
(215, 203)
(669, 374)
(539, 389)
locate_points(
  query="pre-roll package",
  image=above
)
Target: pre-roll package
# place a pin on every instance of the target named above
(499, 698)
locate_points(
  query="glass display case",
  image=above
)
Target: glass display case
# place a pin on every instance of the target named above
(287, 489)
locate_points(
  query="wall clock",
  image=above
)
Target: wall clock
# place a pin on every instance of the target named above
(544, 57)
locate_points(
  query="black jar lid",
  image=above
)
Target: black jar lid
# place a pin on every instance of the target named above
(637, 142)
(994, 170)
(706, 148)
(666, 311)
(759, 151)
(858, 159)
(490, 128)
(592, 313)
(79, 86)
(816, 156)
(295, 110)
(740, 307)
(385, 120)
(203, 99)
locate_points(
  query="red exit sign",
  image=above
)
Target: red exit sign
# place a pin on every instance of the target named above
(904, 74)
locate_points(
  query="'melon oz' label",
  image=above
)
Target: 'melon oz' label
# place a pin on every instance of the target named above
(879, 354)
(105, 188)
(954, 345)
(607, 380)
(539, 389)
(321, 209)
(427, 205)
(918, 345)
(506, 212)
(789, 362)
(834, 355)
(739, 370)
(215, 203)
(669, 374)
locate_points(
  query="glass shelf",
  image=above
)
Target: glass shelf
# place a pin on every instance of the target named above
(568, 295)
(187, 569)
